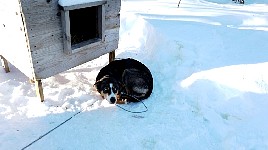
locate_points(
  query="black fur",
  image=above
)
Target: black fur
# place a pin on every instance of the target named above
(239, 1)
(131, 76)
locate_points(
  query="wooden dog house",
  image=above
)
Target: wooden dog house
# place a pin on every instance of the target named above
(45, 37)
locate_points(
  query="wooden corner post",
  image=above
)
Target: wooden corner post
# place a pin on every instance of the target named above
(4, 63)
(112, 56)
(39, 90)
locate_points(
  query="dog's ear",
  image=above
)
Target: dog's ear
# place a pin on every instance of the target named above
(97, 86)
(97, 83)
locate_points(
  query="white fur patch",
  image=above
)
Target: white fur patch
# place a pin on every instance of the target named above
(111, 95)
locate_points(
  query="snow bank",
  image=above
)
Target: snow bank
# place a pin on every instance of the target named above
(137, 37)
(246, 1)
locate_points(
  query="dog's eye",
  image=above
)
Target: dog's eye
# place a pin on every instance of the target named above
(114, 89)
(106, 90)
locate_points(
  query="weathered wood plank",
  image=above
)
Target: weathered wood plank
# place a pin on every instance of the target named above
(39, 5)
(55, 40)
(46, 40)
(41, 17)
(65, 19)
(111, 35)
(101, 27)
(60, 64)
(46, 46)
(47, 25)
(111, 23)
(113, 5)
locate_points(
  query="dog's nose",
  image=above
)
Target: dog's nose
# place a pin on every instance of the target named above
(112, 100)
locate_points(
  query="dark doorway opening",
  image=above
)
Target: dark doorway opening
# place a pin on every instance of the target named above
(85, 26)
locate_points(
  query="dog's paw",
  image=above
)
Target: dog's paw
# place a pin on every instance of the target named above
(126, 101)
(121, 101)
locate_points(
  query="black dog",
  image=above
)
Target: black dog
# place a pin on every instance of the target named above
(239, 1)
(121, 80)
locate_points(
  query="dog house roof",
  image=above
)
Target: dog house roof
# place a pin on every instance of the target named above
(66, 3)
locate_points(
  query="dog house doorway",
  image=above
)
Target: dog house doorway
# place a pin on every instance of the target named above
(83, 26)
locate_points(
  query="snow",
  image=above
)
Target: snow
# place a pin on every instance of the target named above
(208, 60)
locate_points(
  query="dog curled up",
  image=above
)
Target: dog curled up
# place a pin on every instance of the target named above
(123, 79)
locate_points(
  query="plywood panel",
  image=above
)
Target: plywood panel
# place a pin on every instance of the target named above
(43, 22)
(55, 62)
(64, 63)
(14, 41)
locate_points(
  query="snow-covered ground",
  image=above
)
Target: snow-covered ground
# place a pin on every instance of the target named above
(209, 60)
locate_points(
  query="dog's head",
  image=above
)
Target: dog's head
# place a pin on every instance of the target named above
(109, 88)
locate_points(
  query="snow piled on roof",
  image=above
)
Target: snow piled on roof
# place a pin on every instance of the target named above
(75, 2)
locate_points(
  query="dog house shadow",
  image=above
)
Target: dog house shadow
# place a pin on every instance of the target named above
(45, 37)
